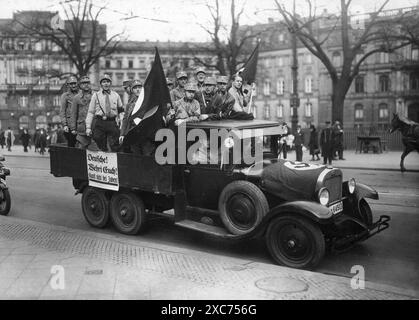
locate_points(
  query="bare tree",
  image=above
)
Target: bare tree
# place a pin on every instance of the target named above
(356, 44)
(230, 42)
(81, 37)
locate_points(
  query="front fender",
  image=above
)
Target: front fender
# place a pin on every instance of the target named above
(312, 210)
(361, 191)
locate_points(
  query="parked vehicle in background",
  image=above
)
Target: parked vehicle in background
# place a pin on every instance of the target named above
(5, 200)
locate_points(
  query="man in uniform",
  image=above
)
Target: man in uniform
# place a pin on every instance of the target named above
(170, 84)
(104, 108)
(65, 109)
(80, 105)
(179, 92)
(206, 96)
(223, 101)
(326, 143)
(188, 109)
(200, 78)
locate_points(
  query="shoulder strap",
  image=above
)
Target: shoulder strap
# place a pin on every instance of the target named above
(97, 99)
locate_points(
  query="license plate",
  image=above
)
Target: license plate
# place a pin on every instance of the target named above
(337, 207)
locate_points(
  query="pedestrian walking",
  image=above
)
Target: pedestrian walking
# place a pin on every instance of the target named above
(337, 140)
(313, 144)
(103, 108)
(2, 139)
(25, 137)
(65, 109)
(10, 138)
(298, 143)
(326, 143)
(42, 141)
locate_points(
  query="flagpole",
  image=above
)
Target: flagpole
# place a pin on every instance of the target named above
(251, 100)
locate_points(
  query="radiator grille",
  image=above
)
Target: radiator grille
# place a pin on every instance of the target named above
(333, 182)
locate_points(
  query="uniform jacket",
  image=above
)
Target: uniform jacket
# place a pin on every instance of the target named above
(98, 104)
(206, 102)
(326, 141)
(187, 110)
(65, 108)
(79, 108)
(223, 103)
(298, 138)
(177, 94)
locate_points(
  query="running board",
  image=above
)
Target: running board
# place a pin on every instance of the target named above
(205, 228)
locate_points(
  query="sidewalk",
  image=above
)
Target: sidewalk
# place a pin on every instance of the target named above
(389, 160)
(42, 261)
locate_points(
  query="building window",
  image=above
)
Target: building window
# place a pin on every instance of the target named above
(384, 58)
(280, 61)
(309, 58)
(359, 112)
(107, 63)
(280, 86)
(280, 111)
(41, 122)
(38, 64)
(336, 59)
(359, 84)
(38, 46)
(130, 64)
(415, 54)
(56, 101)
(119, 78)
(23, 101)
(21, 45)
(384, 83)
(24, 122)
(119, 64)
(131, 76)
(267, 62)
(40, 101)
(383, 111)
(308, 84)
(267, 112)
(308, 110)
(281, 37)
(414, 81)
(267, 87)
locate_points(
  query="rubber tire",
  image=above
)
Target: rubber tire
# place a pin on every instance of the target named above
(252, 192)
(103, 219)
(8, 200)
(317, 241)
(139, 213)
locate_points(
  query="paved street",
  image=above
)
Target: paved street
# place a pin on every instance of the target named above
(389, 258)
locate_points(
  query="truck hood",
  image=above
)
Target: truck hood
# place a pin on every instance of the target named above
(287, 179)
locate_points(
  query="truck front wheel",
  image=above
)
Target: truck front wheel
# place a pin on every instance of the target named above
(95, 206)
(127, 213)
(295, 242)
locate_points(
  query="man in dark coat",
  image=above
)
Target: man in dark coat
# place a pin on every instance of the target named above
(326, 143)
(338, 140)
(25, 138)
(298, 142)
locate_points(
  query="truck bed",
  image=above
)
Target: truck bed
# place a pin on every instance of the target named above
(134, 171)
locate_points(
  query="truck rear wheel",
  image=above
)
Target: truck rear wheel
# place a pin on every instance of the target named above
(242, 206)
(5, 202)
(95, 206)
(295, 242)
(127, 213)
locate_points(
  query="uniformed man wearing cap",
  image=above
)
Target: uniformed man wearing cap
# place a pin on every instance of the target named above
(65, 109)
(104, 108)
(80, 105)
(179, 92)
(223, 101)
(188, 109)
(170, 84)
(205, 97)
(200, 78)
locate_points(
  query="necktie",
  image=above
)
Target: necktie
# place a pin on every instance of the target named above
(107, 104)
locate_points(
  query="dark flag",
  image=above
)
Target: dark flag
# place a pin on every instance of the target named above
(151, 106)
(248, 71)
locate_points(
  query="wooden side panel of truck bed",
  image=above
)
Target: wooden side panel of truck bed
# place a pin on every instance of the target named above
(134, 171)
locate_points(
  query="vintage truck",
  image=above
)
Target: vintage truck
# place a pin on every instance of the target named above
(300, 209)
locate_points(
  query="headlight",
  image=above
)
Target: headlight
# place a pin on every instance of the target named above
(323, 196)
(351, 185)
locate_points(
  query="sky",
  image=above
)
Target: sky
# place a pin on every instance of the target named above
(180, 20)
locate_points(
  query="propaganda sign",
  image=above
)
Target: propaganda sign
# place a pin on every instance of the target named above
(102, 170)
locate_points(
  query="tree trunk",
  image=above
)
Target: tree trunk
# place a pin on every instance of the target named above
(339, 90)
